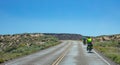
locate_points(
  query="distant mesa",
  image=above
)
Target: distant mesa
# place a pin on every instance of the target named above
(65, 36)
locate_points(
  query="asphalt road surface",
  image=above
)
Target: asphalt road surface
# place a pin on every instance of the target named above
(66, 53)
(78, 55)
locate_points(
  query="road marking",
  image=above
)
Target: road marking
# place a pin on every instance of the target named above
(98, 55)
(61, 56)
(102, 58)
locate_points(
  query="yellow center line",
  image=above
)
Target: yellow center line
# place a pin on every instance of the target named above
(61, 56)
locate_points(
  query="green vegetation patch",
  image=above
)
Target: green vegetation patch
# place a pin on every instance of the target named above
(26, 46)
(110, 49)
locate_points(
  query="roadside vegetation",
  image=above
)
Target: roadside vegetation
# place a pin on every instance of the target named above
(110, 49)
(15, 46)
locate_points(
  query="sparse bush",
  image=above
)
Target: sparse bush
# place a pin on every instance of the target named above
(1, 60)
(110, 49)
(10, 49)
(21, 45)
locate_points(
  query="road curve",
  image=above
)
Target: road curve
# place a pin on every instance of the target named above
(66, 53)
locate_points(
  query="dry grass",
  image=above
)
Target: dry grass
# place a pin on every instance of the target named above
(110, 49)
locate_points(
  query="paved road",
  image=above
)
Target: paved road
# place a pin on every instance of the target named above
(76, 55)
(45, 57)
(79, 56)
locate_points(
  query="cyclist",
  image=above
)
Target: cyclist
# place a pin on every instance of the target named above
(84, 41)
(89, 44)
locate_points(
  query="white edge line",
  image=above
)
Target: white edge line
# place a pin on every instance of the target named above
(102, 58)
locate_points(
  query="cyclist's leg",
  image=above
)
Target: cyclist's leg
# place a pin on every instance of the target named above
(87, 47)
(92, 46)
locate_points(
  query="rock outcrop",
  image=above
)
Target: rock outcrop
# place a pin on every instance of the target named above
(108, 37)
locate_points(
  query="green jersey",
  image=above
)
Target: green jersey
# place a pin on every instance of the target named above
(89, 40)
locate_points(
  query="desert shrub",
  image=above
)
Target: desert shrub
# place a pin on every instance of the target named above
(16, 46)
(114, 56)
(9, 49)
(21, 45)
(117, 60)
(1, 60)
(110, 49)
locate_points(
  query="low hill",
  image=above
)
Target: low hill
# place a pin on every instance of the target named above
(109, 45)
(65, 36)
(29, 38)
(12, 46)
(115, 37)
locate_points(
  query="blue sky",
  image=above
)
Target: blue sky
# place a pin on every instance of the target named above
(86, 17)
